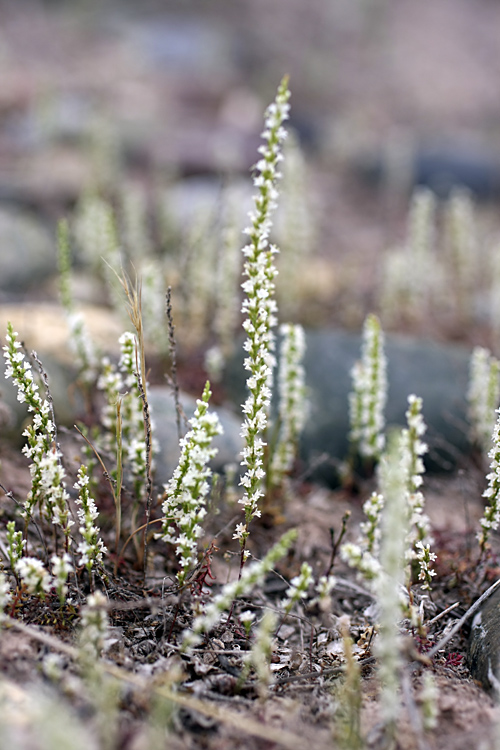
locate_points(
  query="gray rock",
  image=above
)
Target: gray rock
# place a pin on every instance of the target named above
(436, 372)
(484, 644)
(66, 399)
(229, 444)
(28, 252)
(441, 168)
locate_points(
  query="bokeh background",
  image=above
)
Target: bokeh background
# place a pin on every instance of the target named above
(167, 98)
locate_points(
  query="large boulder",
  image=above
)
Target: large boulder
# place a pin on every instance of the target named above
(436, 372)
(484, 644)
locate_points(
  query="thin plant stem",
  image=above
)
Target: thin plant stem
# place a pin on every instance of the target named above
(173, 357)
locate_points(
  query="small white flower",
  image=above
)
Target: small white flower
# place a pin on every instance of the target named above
(185, 494)
(34, 575)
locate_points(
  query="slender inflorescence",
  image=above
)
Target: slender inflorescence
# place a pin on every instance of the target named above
(185, 494)
(91, 549)
(94, 627)
(462, 249)
(389, 585)
(412, 275)
(251, 575)
(79, 339)
(412, 448)
(61, 568)
(429, 700)
(15, 544)
(491, 517)
(5, 595)
(298, 588)
(364, 556)
(260, 309)
(368, 398)
(261, 652)
(483, 396)
(47, 472)
(370, 528)
(132, 417)
(33, 574)
(292, 403)
(294, 226)
(123, 412)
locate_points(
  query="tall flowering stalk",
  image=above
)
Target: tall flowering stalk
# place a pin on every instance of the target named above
(47, 472)
(250, 576)
(260, 654)
(15, 544)
(365, 555)
(292, 405)
(389, 585)
(412, 448)
(185, 494)
(462, 249)
(79, 339)
(491, 518)
(298, 588)
(132, 418)
(368, 398)
(91, 548)
(483, 395)
(260, 309)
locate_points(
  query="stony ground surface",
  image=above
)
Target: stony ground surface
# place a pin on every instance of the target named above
(167, 95)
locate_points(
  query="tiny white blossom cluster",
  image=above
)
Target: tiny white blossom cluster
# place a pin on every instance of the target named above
(483, 396)
(119, 385)
(389, 584)
(39, 581)
(185, 494)
(412, 275)
(364, 556)
(369, 395)
(95, 230)
(79, 339)
(61, 568)
(34, 575)
(372, 508)
(153, 304)
(425, 557)
(298, 588)
(294, 226)
(15, 544)
(94, 627)
(5, 595)
(323, 589)
(47, 472)
(292, 404)
(259, 307)
(429, 700)
(357, 556)
(491, 518)
(251, 575)
(412, 448)
(132, 416)
(462, 249)
(260, 654)
(91, 548)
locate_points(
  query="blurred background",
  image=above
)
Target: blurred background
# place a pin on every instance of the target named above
(162, 103)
